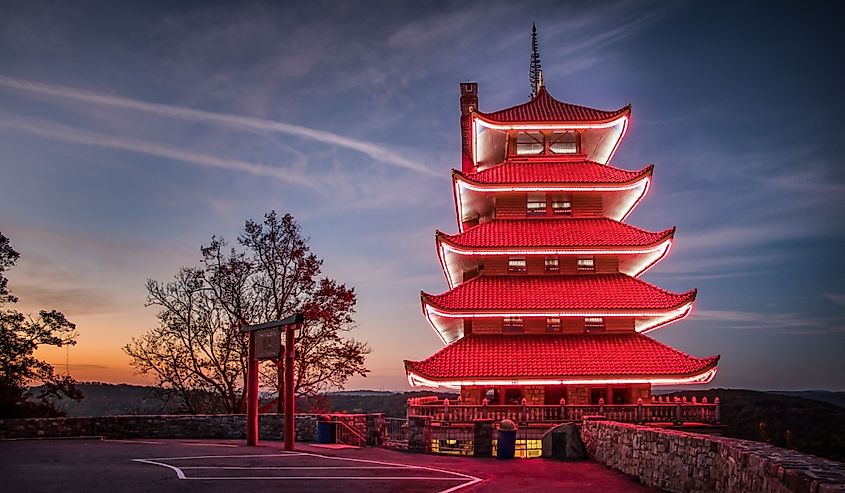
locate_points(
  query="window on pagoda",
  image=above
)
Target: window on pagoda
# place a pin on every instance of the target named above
(586, 264)
(563, 143)
(593, 325)
(530, 143)
(513, 324)
(552, 264)
(562, 207)
(516, 264)
(536, 204)
(553, 324)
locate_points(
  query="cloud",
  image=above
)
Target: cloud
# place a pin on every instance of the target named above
(785, 323)
(838, 298)
(374, 151)
(77, 136)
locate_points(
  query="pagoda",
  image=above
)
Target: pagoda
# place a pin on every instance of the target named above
(545, 300)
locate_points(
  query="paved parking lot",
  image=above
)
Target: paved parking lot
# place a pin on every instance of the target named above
(219, 465)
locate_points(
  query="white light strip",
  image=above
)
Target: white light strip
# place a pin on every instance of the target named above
(433, 326)
(704, 377)
(552, 188)
(636, 202)
(680, 311)
(619, 140)
(559, 251)
(548, 126)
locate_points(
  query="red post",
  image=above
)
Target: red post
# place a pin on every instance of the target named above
(290, 354)
(252, 395)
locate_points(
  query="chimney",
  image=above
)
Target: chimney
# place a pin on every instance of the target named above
(469, 104)
(469, 97)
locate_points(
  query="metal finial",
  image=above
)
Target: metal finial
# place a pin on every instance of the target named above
(535, 73)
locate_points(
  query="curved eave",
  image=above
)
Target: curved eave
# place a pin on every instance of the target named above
(634, 189)
(615, 116)
(448, 323)
(643, 256)
(551, 186)
(701, 376)
(616, 124)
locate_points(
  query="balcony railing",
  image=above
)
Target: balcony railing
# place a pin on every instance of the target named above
(657, 410)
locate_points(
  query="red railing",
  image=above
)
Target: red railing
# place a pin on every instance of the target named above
(655, 411)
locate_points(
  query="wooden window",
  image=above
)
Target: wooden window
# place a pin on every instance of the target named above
(536, 204)
(529, 143)
(552, 264)
(516, 264)
(553, 324)
(562, 207)
(586, 264)
(512, 324)
(593, 325)
(563, 143)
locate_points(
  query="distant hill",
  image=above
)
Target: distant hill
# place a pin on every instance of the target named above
(817, 427)
(392, 404)
(835, 398)
(104, 399)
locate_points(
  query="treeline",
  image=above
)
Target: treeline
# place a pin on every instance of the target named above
(807, 425)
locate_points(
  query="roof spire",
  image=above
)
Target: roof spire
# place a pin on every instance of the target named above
(535, 73)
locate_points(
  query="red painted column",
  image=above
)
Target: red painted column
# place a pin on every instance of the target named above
(252, 394)
(290, 354)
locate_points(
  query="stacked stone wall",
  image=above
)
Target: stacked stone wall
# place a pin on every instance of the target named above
(534, 395)
(679, 461)
(223, 426)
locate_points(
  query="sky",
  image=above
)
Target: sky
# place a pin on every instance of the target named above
(130, 133)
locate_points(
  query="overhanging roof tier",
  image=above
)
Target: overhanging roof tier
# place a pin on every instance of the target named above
(593, 295)
(552, 233)
(559, 171)
(621, 190)
(518, 293)
(559, 359)
(635, 250)
(546, 109)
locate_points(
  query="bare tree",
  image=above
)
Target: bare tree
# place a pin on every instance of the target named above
(197, 351)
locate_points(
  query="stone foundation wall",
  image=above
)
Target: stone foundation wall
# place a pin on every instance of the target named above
(689, 462)
(225, 426)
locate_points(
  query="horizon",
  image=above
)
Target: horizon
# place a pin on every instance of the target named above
(128, 143)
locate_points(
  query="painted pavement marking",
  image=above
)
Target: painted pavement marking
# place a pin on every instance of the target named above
(373, 465)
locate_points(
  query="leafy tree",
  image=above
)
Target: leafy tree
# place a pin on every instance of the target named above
(197, 350)
(20, 337)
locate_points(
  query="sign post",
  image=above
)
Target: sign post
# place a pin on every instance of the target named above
(265, 343)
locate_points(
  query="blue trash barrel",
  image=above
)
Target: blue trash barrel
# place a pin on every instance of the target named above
(325, 432)
(506, 446)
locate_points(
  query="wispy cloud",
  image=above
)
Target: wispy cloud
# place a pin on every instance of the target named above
(375, 151)
(78, 136)
(786, 323)
(838, 298)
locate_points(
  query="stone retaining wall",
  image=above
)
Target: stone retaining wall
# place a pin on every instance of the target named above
(226, 426)
(689, 462)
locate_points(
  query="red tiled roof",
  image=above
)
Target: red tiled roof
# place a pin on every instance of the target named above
(490, 357)
(557, 232)
(555, 172)
(546, 109)
(515, 293)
